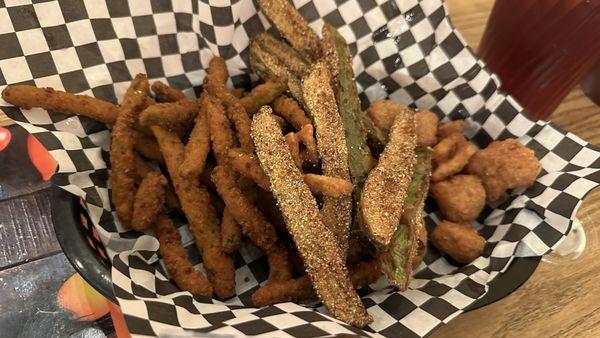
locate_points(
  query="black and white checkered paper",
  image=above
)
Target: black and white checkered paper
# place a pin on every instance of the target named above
(406, 50)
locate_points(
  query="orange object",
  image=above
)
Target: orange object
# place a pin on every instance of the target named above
(118, 320)
(5, 137)
(41, 158)
(82, 300)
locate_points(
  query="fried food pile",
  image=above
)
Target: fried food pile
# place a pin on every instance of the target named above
(333, 196)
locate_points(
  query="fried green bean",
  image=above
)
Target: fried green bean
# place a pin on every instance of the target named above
(142, 169)
(177, 115)
(198, 146)
(261, 95)
(291, 111)
(221, 134)
(122, 156)
(231, 232)
(165, 93)
(149, 199)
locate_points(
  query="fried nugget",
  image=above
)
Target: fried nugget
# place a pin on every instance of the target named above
(248, 165)
(504, 165)
(300, 290)
(231, 232)
(176, 261)
(122, 157)
(293, 27)
(331, 145)
(383, 113)
(449, 128)
(254, 225)
(201, 214)
(386, 187)
(149, 199)
(460, 198)
(176, 116)
(147, 146)
(451, 155)
(458, 240)
(426, 128)
(198, 146)
(291, 111)
(315, 241)
(165, 93)
(261, 95)
(27, 97)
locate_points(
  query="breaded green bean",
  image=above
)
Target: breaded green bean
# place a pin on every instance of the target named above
(283, 52)
(231, 232)
(300, 290)
(237, 115)
(198, 146)
(293, 27)
(165, 93)
(331, 144)
(122, 156)
(261, 95)
(171, 115)
(254, 225)
(201, 214)
(176, 260)
(386, 187)
(315, 241)
(327, 185)
(142, 169)
(146, 146)
(216, 77)
(27, 97)
(306, 137)
(221, 134)
(248, 165)
(291, 111)
(149, 200)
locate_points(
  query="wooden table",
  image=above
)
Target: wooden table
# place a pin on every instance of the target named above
(561, 299)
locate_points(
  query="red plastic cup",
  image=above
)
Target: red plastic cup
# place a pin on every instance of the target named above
(541, 49)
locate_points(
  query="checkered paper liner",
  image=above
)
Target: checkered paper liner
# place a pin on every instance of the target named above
(406, 50)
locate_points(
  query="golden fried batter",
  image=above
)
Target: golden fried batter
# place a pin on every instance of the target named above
(261, 95)
(221, 134)
(383, 113)
(254, 225)
(315, 241)
(458, 240)
(231, 232)
(146, 146)
(291, 111)
(504, 165)
(175, 257)
(198, 146)
(327, 185)
(451, 155)
(165, 93)
(122, 156)
(176, 116)
(149, 199)
(426, 128)
(460, 198)
(449, 128)
(248, 165)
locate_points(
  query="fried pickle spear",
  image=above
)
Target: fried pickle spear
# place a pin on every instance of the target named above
(149, 199)
(27, 97)
(459, 240)
(254, 225)
(292, 27)
(198, 146)
(176, 261)
(122, 156)
(331, 144)
(315, 241)
(142, 169)
(398, 258)
(386, 187)
(165, 93)
(301, 290)
(291, 111)
(146, 146)
(171, 115)
(231, 234)
(202, 217)
(261, 95)
(288, 57)
(269, 67)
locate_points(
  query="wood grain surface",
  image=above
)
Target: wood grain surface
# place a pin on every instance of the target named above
(562, 298)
